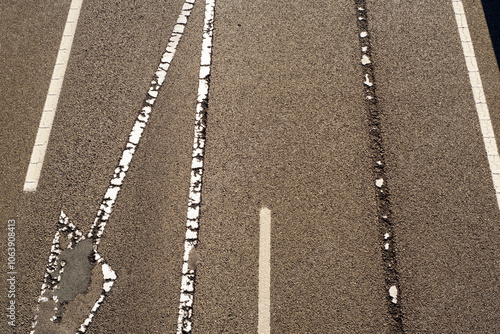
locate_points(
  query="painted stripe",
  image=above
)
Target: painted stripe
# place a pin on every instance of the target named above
(185, 317)
(116, 182)
(264, 324)
(49, 109)
(479, 96)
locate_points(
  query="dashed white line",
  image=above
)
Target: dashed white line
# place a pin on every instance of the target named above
(479, 97)
(49, 109)
(264, 323)
(185, 321)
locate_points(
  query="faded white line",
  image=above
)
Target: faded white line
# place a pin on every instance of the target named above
(49, 109)
(185, 316)
(264, 324)
(479, 97)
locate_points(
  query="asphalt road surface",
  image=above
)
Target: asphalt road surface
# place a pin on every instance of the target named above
(353, 122)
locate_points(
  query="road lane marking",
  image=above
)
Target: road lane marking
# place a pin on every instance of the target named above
(478, 94)
(49, 109)
(185, 316)
(384, 212)
(54, 273)
(264, 324)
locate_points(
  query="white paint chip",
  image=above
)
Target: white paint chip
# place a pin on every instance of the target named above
(393, 292)
(368, 81)
(365, 60)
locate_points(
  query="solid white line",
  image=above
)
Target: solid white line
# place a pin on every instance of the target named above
(49, 109)
(479, 97)
(264, 324)
(186, 300)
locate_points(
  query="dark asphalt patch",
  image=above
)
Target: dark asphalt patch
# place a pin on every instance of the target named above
(76, 276)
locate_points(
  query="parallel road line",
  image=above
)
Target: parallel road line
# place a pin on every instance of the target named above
(264, 324)
(186, 300)
(479, 97)
(49, 109)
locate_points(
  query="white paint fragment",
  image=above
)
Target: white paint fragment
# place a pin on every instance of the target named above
(363, 34)
(107, 272)
(386, 246)
(365, 60)
(379, 183)
(364, 48)
(393, 292)
(193, 213)
(153, 93)
(160, 74)
(367, 81)
(386, 236)
(167, 58)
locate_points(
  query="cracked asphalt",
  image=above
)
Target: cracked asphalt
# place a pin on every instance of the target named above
(288, 128)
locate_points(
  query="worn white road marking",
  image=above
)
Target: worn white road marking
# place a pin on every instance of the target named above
(479, 97)
(53, 272)
(185, 316)
(264, 324)
(49, 109)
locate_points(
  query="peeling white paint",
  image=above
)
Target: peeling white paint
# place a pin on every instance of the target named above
(74, 236)
(365, 60)
(184, 322)
(379, 183)
(363, 34)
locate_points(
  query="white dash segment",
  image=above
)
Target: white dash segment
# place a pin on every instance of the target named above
(479, 97)
(49, 109)
(264, 323)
